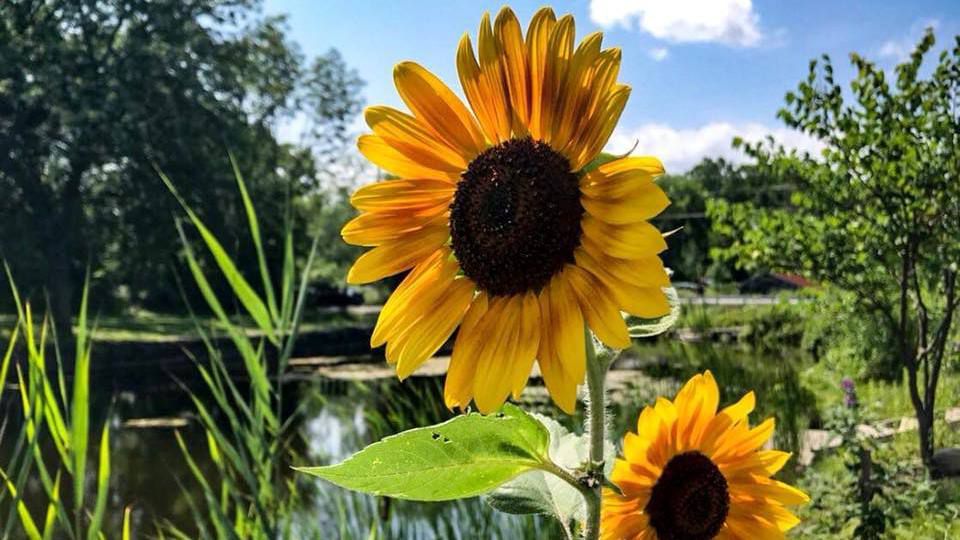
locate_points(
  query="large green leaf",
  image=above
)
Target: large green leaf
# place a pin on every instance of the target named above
(463, 457)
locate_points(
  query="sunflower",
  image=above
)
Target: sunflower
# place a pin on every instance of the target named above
(505, 230)
(691, 473)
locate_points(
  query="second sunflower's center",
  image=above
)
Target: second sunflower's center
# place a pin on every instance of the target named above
(690, 500)
(515, 218)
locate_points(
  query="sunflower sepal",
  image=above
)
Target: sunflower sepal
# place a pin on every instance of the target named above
(648, 328)
(558, 489)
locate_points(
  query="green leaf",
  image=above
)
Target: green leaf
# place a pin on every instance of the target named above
(653, 327)
(103, 485)
(463, 457)
(80, 410)
(50, 521)
(539, 492)
(126, 523)
(254, 225)
(244, 292)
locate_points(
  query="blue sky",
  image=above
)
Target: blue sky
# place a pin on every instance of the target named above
(702, 71)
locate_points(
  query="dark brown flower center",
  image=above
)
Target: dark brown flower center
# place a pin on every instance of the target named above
(515, 218)
(690, 500)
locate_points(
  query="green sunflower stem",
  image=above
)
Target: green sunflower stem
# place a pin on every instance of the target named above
(596, 377)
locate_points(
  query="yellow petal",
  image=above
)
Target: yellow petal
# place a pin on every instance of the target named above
(631, 241)
(620, 178)
(458, 388)
(415, 294)
(562, 355)
(474, 87)
(567, 319)
(394, 195)
(538, 40)
(388, 158)
(493, 81)
(434, 104)
(500, 327)
(395, 257)
(730, 416)
(763, 463)
(773, 491)
(408, 136)
(641, 205)
(644, 271)
(373, 229)
(574, 93)
(646, 302)
(601, 126)
(529, 342)
(599, 308)
(559, 54)
(647, 165)
(509, 36)
(602, 82)
(751, 527)
(430, 332)
(734, 444)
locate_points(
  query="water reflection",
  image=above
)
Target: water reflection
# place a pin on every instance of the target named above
(336, 418)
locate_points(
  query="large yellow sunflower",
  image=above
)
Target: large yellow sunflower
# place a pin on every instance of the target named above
(507, 236)
(691, 473)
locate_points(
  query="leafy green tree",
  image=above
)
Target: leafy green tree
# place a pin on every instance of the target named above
(689, 254)
(96, 95)
(878, 214)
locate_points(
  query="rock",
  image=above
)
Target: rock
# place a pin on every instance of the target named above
(945, 463)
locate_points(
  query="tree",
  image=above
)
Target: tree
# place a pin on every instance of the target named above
(689, 254)
(95, 95)
(878, 214)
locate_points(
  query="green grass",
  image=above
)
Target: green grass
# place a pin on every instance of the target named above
(879, 400)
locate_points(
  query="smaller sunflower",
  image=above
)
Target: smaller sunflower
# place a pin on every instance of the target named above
(692, 473)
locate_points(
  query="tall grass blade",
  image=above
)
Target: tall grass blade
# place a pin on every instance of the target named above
(126, 534)
(26, 520)
(49, 523)
(5, 363)
(80, 410)
(241, 288)
(103, 485)
(255, 234)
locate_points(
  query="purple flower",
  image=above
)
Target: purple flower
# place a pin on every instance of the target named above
(849, 393)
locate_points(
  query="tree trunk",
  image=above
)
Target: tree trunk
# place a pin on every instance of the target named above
(925, 425)
(64, 246)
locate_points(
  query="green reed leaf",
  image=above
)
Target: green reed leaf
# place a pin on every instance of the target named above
(463, 457)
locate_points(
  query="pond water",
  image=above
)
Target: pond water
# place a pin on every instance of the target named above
(337, 417)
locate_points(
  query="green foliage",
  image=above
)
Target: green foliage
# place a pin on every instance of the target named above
(463, 457)
(52, 415)
(252, 500)
(690, 247)
(169, 84)
(902, 504)
(878, 214)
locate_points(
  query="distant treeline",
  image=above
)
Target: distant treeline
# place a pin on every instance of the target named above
(96, 97)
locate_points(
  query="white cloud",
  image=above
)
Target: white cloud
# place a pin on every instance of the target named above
(681, 149)
(732, 22)
(899, 49)
(659, 54)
